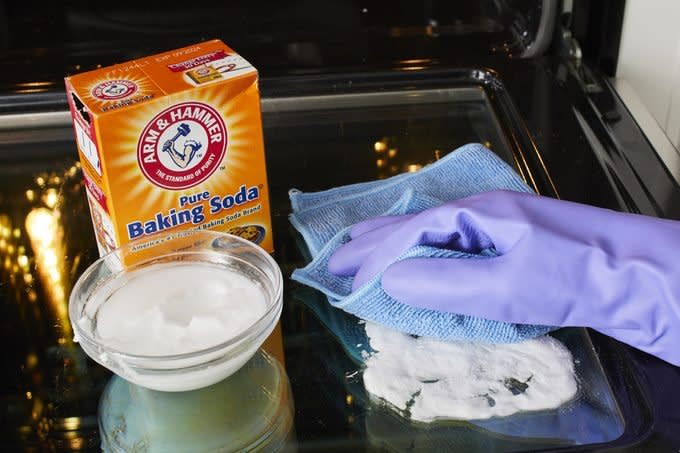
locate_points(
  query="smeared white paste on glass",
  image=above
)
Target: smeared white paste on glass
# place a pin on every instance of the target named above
(430, 380)
(177, 308)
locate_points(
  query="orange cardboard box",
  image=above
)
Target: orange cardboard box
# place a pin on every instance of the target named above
(172, 142)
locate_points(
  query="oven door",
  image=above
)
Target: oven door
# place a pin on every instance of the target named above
(411, 88)
(322, 132)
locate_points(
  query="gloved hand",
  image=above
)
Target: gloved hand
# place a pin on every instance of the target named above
(559, 264)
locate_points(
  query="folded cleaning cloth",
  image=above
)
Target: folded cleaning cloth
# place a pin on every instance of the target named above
(325, 218)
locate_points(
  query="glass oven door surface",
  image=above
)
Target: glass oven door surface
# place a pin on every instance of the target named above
(332, 131)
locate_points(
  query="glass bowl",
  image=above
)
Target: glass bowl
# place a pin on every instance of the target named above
(186, 370)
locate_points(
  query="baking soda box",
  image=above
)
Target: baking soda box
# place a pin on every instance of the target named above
(172, 142)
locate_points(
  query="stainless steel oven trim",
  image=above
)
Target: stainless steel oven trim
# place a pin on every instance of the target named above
(22, 121)
(15, 121)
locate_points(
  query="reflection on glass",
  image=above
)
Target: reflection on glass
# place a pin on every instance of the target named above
(250, 410)
(380, 146)
(34, 247)
(50, 197)
(389, 162)
(40, 250)
(47, 240)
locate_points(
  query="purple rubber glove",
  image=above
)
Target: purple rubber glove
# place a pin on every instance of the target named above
(559, 264)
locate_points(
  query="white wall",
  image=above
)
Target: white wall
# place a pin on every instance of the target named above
(649, 59)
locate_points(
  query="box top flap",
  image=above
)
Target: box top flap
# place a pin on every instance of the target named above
(126, 84)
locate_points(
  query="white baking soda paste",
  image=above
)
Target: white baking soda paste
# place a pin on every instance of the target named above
(429, 380)
(175, 308)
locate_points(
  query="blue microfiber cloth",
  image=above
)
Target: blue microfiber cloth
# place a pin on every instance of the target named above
(324, 219)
